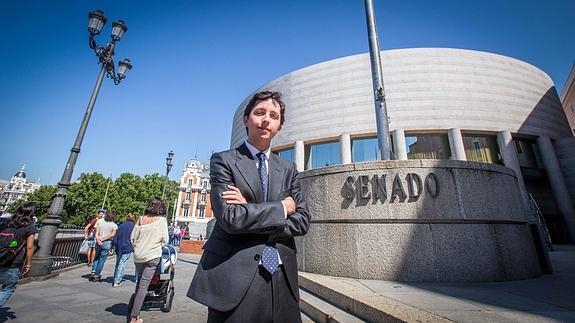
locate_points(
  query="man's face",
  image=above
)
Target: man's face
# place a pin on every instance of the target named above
(263, 123)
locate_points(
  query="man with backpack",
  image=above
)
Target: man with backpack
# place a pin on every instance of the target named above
(16, 249)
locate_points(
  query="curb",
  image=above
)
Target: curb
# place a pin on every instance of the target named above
(366, 305)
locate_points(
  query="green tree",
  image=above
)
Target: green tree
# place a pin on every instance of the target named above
(84, 199)
(41, 198)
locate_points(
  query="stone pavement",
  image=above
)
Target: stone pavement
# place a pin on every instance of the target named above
(549, 298)
(70, 297)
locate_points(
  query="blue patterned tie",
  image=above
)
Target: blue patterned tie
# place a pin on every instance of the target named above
(270, 259)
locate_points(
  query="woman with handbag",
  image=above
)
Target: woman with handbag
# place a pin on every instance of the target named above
(148, 237)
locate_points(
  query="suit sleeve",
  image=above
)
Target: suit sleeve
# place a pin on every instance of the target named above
(259, 218)
(296, 224)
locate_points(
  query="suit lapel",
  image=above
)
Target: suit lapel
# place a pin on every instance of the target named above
(276, 178)
(247, 167)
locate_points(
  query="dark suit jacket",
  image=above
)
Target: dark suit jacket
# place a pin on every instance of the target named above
(232, 253)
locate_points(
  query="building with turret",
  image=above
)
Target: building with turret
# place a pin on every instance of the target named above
(16, 189)
(193, 207)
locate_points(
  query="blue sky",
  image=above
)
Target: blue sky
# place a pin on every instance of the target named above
(195, 61)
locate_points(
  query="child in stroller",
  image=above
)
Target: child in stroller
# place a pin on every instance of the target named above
(161, 289)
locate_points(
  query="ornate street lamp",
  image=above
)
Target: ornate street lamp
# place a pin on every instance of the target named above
(168, 169)
(42, 260)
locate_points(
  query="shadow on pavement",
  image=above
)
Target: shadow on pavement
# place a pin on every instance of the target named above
(6, 313)
(120, 309)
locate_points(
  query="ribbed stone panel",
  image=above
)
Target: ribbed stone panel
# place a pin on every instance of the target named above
(427, 89)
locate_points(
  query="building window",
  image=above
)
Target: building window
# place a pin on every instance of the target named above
(482, 148)
(518, 147)
(203, 197)
(186, 212)
(286, 154)
(322, 154)
(188, 196)
(527, 153)
(201, 215)
(190, 182)
(427, 146)
(205, 183)
(364, 149)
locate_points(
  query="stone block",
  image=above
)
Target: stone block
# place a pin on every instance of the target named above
(466, 253)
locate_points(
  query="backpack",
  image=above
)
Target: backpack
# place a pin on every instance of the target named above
(10, 247)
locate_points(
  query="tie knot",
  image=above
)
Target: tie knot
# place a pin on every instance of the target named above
(261, 156)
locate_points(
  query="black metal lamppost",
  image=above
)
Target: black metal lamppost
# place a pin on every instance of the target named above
(42, 260)
(168, 169)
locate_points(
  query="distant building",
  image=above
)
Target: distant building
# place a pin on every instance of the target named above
(193, 207)
(16, 189)
(568, 98)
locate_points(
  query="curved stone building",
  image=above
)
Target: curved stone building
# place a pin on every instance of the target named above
(442, 104)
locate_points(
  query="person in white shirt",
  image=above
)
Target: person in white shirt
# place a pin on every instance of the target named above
(150, 234)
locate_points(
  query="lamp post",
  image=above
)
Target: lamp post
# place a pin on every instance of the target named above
(42, 260)
(168, 168)
(382, 121)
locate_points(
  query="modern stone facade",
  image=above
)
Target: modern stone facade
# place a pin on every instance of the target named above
(568, 98)
(417, 220)
(507, 109)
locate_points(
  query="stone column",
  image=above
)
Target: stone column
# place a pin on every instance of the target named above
(558, 186)
(345, 148)
(399, 144)
(456, 144)
(507, 149)
(299, 155)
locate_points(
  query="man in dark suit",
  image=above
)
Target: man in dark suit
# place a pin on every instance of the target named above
(248, 271)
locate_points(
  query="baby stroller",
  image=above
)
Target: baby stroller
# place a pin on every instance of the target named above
(161, 289)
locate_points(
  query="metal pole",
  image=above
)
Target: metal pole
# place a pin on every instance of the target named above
(165, 182)
(106, 194)
(42, 260)
(377, 80)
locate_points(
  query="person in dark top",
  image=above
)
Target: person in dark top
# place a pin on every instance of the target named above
(123, 247)
(10, 268)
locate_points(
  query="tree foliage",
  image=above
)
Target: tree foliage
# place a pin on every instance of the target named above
(129, 193)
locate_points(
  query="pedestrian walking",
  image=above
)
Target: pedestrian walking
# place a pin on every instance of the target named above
(122, 245)
(90, 235)
(171, 234)
(150, 234)
(16, 249)
(182, 234)
(176, 235)
(104, 235)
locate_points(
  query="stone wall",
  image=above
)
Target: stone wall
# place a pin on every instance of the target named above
(565, 150)
(417, 220)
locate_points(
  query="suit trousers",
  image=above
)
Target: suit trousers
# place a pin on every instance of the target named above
(268, 299)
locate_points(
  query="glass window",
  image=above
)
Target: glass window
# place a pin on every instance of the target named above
(321, 155)
(527, 153)
(190, 182)
(202, 211)
(286, 154)
(186, 212)
(203, 196)
(364, 149)
(482, 148)
(427, 146)
(188, 196)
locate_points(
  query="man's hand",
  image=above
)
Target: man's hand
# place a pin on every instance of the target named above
(233, 195)
(289, 204)
(111, 251)
(26, 270)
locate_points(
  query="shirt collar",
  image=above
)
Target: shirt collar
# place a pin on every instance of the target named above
(254, 151)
